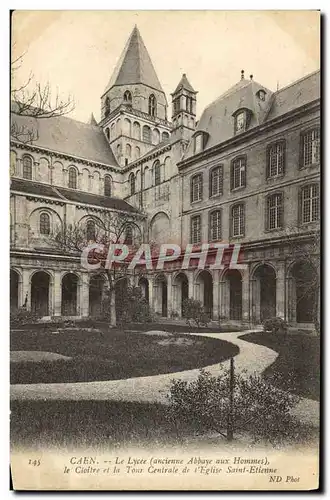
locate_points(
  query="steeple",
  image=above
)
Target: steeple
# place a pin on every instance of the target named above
(134, 65)
(183, 109)
(92, 120)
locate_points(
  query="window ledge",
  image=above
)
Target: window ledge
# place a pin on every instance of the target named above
(215, 196)
(196, 201)
(273, 178)
(312, 165)
(237, 189)
(274, 230)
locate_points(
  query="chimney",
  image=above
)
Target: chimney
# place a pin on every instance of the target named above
(242, 74)
(251, 77)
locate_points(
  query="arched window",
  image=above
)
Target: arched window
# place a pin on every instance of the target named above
(107, 133)
(165, 136)
(90, 230)
(275, 211)
(137, 152)
(107, 185)
(27, 167)
(136, 131)
(44, 223)
(146, 133)
(128, 150)
(127, 127)
(152, 105)
(127, 97)
(118, 150)
(238, 173)
(215, 225)
(132, 183)
(238, 220)
(216, 180)
(107, 106)
(112, 132)
(157, 173)
(196, 191)
(72, 178)
(129, 235)
(155, 136)
(310, 203)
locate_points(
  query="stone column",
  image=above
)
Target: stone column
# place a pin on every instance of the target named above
(169, 295)
(280, 290)
(84, 295)
(245, 296)
(216, 294)
(191, 293)
(57, 294)
(151, 292)
(26, 288)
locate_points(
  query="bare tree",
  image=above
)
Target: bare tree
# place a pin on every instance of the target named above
(114, 228)
(33, 100)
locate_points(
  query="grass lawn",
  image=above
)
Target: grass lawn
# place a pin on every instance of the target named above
(299, 355)
(105, 425)
(111, 354)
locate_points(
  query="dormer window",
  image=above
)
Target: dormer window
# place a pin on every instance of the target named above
(261, 94)
(198, 143)
(200, 140)
(240, 122)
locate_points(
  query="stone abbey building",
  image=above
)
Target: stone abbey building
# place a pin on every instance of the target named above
(247, 172)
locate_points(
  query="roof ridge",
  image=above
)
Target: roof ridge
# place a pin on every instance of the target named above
(297, 81)
(229, 91)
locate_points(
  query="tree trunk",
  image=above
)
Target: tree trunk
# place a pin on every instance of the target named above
(113, 318)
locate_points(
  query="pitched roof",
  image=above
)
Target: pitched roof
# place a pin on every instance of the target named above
(64, 194)
(217, 118)
(297, 94)
(68, 136)
(184, 84)
(134, 65)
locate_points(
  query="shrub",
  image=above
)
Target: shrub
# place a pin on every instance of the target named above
(22, 317)
(193, 310)
(259, 409)
(275, 325)
(131, 306)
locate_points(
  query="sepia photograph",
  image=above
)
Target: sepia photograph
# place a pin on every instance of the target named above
(165, 250)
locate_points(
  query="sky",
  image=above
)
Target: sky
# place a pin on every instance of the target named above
(76, 51)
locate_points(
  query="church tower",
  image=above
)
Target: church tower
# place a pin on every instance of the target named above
(183, 110)
(134, 105)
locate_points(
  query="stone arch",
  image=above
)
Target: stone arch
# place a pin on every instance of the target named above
(127, 127)
(263, 282)
(107, 185)
(85, 179)
(44, 170)
(231, 294)
(112, 131)
(146, 133)
(56, 223)
(155, 136)
(118, 127)
(204, 290)
(160, 227)
(27, 166)
(70, 294)
(160, 294)
(180, 291)
(58, 174)
(303, 292)
(137, 152)
(146, 177)
(97, 284)
(143, 283)
(73, 176)
(165, 136)
(41, 283)
(137, 131)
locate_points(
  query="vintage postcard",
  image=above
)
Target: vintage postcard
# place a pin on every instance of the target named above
(165, 250)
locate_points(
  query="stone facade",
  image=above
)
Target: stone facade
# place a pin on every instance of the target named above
(248, 173)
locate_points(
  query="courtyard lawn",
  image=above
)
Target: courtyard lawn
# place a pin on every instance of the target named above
(297, 367)
(107, 425)
(109, 354)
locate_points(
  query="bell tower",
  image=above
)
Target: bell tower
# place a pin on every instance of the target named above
(183, 110)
